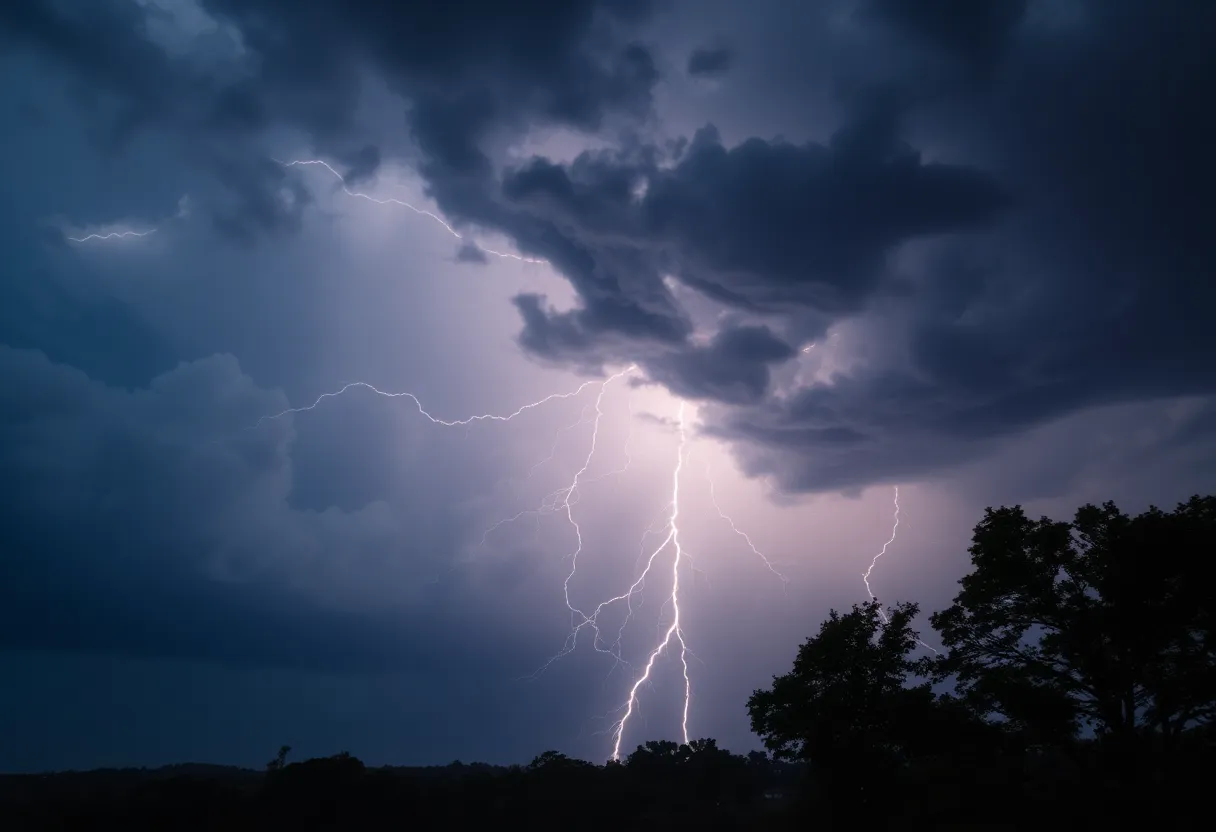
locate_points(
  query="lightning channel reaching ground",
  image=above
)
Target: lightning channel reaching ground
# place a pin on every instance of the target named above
(865, 576)
(563, 501)
(673, 628)
(420, 211)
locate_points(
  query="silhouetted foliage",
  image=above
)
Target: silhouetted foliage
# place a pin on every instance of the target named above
(1104, 623)
(280, 759)
(662, 785)
(1078, 689)
(853, 708)
(1079, 676)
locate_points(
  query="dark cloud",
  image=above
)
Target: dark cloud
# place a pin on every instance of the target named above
(733, 367)
(362, 164)
(1077, 212)
(976, 32)
(469, 253)
(265, 199)
(710, 61)
(184, 540)
(1077, 244)
(773, 223)
(762, 227)
(1091, 293)
(81, 327)
(465, 69)
(764, 223)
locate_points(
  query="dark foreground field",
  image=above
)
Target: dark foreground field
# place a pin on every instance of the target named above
(661, 786)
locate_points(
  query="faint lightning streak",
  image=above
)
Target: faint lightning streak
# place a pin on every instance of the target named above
(420, 211)
(113, 235)
(565, 498)
(557, 438)
(674, 627)
(183, 211)
(714, 499)
(865, 576)
(485, 417)
(568, 495)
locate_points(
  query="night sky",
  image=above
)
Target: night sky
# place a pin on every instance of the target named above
(965, 249)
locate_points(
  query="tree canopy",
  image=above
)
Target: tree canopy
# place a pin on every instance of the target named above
(1066, 638)
(1104, 623)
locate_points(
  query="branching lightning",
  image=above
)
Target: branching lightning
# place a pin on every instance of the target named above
(563, 501)
(714, 498)
(420, 211)
(865, 576)
(484, 417)
(673, 629)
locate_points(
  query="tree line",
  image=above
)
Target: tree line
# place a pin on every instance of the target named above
(1074, 681)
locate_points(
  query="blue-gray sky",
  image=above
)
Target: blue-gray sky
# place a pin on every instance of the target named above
(989, 219)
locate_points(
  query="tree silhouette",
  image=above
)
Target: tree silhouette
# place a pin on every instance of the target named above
(1104, 622)
(850, 706)
(280, 759)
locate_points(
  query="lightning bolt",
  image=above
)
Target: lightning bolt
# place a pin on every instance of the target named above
(554, 500)
(183, 211)
(714, 498)
(865, 576)
(673, 629)
(563, 501)
(484, 417)
(420, 211)
(113, 235)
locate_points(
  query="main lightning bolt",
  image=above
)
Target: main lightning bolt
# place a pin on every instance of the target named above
(419, 211)
(563, 501)
(865, 576)
(673, 629)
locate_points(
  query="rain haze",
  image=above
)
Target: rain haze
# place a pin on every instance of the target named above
(761, 264)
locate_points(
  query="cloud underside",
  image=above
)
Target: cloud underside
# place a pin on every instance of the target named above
(1009, 217)
(159, 522)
